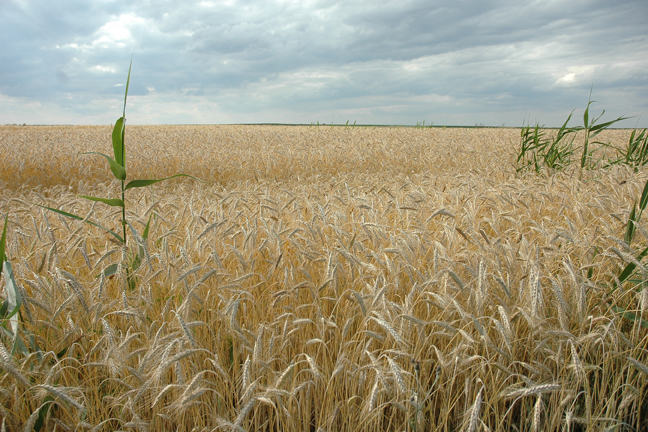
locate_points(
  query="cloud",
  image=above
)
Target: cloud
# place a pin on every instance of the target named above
(300, 61)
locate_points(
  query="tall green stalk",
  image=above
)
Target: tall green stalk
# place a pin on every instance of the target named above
(10, 317)
(118, 168)
(630, 274)
(122, 153)
(592, 129)
(635, 153)
(536, 151)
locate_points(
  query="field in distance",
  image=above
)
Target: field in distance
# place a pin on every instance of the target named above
(321, 278)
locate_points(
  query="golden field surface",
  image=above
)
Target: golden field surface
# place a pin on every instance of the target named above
(321, 279)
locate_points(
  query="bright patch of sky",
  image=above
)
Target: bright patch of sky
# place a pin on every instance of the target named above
(466, 62)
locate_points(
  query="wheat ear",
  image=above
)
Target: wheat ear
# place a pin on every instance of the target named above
(474, 412)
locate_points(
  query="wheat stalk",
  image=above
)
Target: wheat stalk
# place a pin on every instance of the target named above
(537, 411)
(474, 412)
(31, 421)
(244, 412)
(61, 394)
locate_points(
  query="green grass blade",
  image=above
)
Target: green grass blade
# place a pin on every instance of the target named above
(136, 260)
(43, 410)
(34, 347)
(3, 242)
(143, 183)
(598, 128)
(14, 298)
(133, 231)
(146, 229)
(563, 128)
(123, 130)
(586, 114)
(642, 145)
(115, 202)
(118, 141)
(630, 316)
(117, 169)
(630, 229)
(19, 345)
(644, 198)
(629, 269)
(111, 270)
(73, 216)
(127, 83)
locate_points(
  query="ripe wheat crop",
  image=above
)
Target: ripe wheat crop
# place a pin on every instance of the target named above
(324, 279)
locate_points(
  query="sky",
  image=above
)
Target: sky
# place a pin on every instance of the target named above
(460, 62)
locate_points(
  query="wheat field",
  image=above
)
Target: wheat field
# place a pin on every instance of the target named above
(321, 279)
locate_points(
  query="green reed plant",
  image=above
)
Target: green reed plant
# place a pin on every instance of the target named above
(118, 168)
(10, 308)
(537, 150)
(635, 154)
(631, 273)
(592, 129)
(531, 140)
(558, 154)
(13, 302)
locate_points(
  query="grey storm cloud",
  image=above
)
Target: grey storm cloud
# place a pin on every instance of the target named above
(391, 62)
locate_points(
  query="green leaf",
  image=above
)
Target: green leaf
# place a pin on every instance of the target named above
(3, 242)
(122, 140)
(627, 271)
(586, 115)
(148, 225)
(73, 216)
(13, 296)
(602, 126)
(630, 316)
(111, 270)
(42, 413)
(137, 259)
(3, 309)
(644, 198)
(144, 183)
(34, 347)
(118, 170)
(127, 83)
(19, 345)
(630, 229)
(132, 282)
(60, 354)
(115, 202)
(564, 129)
(133, 231)
(118, 141)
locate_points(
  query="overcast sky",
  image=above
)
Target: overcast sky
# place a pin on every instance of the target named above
(460, 62)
